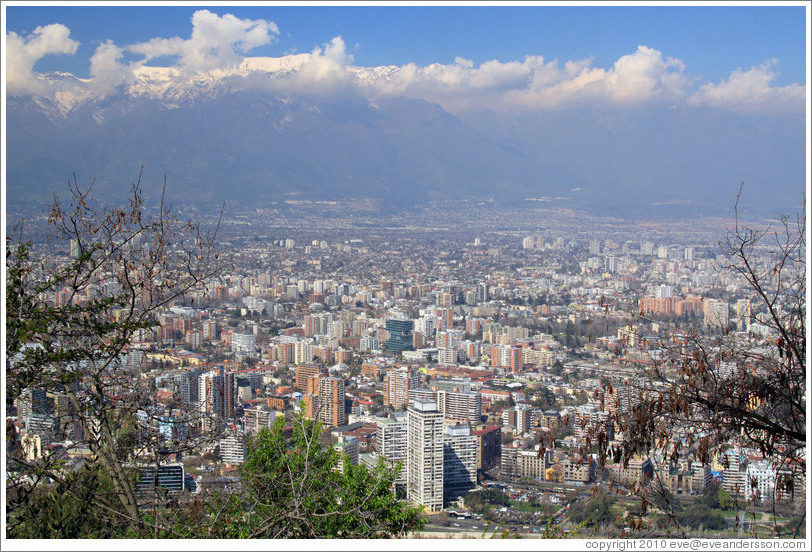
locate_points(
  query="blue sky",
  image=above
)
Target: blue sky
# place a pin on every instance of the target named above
(711, 41)
(742, 58)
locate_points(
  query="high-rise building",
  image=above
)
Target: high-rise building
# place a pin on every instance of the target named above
(209, 330)
(465, 406)
(489, 446)
(310, 396)
(425, 455)
(515, 363)
(400, 335)
(459, 462)
(744, 314)
(318, 324)
(246, 342)
(304, 371)
(347, 447)
(518, 418)
(610, 264)
(259, 417)
(445, 318)
(232, 447)
(391, 442)
(734, 477)
(689, 254)
(594, 247)
(169, 478)
(447, 356)
(716, 313)
(331, 401)
(396, 385)
(700, 477)
(216, 396)
(482, 293)
(210, 395)
(74, 249)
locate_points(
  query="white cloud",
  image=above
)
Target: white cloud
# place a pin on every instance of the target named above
(641, 77)
(751, 91)
(157, 47)
(644, 76)
(215, 42)
(23, 52)
(327, 64)
(218, 44)
(106, 71)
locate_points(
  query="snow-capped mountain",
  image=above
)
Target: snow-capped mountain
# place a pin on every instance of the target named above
(264, 129)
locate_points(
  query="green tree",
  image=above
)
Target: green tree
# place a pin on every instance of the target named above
(296, 488)
(593, 512)
(69, 328)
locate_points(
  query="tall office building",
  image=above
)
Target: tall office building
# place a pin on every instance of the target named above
(317, 324)
(515, 364)
(489, 446)
(447, 356)
(594, 247)
(210, 396)
(217, 395)
(425, 455)
(232, 446)
(445, 318)
(482, 292)
(400, 335)
(734, 476)
(518, 418)
(304, 371)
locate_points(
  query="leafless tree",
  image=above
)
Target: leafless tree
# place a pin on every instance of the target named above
(716, 389)
(71, 330)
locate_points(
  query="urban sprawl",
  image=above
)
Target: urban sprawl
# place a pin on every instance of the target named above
(477, 349)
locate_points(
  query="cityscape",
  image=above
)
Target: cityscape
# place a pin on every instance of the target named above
(419, 363)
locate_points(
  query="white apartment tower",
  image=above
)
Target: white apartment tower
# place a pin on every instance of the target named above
(391, 442)
(425, 455)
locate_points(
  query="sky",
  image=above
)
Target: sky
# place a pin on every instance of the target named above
(529, 56)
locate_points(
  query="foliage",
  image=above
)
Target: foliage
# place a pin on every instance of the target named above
(716, 388)
(593, 512)
(543, 397)
(759, 398)
(479, 501)
(292, 488)
(699, 515)
(724, 499)
(76, 506)
(70, 327)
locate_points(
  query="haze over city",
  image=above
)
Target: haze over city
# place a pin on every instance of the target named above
(612, 109)
(405, 271)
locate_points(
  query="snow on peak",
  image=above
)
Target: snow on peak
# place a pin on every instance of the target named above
(174, 85)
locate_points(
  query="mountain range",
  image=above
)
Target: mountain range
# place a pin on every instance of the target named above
(223, 138)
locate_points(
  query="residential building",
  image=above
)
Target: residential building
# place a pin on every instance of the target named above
(459, 462)
(425, 455)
